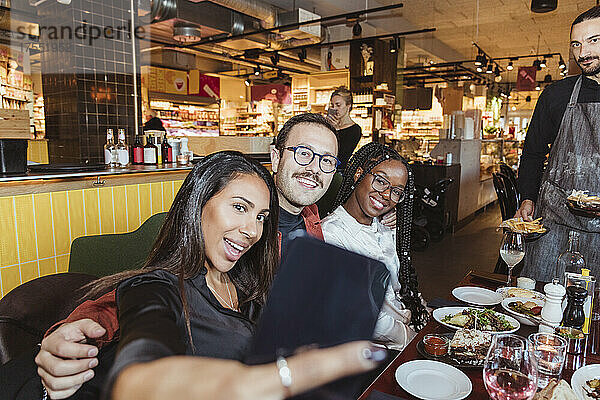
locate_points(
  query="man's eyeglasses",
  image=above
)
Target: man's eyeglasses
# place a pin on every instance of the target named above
(381, 185)
(304, 156)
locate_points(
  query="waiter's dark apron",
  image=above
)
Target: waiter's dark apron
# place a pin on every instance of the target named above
(573, 163)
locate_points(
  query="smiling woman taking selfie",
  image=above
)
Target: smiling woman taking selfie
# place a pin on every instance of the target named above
(376, 181)
(348, 132)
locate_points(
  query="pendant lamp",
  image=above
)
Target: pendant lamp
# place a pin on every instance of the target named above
(543, 6)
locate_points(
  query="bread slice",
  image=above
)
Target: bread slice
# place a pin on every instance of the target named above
(556, 391)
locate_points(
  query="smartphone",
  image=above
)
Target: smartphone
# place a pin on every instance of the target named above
(332, 112)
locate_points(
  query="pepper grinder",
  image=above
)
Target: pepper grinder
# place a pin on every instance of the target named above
(552, 310)
(574, 316)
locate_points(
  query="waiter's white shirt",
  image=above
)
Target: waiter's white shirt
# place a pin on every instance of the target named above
(378, 242)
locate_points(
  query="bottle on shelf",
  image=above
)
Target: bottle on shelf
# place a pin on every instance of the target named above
(110, 150)
(157, 143)
(167, 151)
(150, 152)
(138, 151)
(571, 259)
(122, 150)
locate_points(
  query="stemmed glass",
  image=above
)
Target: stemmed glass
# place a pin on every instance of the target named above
(510, 371)
(512, 251)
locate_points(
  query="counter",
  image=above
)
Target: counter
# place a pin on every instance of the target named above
(41, 214)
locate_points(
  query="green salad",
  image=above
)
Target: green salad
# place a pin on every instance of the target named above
(481, 319)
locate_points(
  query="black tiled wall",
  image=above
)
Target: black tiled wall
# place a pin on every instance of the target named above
(87, 83)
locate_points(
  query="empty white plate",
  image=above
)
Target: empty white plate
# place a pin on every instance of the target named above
(433, 380)
(477, 295)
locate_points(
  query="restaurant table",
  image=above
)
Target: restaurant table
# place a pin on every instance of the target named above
(386, 381)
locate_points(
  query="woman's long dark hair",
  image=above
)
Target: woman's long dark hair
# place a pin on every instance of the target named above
(179, 247)
(366, 158)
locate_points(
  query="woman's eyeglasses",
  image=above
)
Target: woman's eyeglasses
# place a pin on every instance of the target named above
(304, 156)
(381, 184)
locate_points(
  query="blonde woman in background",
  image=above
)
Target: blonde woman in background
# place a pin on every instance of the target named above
(348, 132)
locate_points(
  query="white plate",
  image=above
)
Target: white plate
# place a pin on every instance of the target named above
(477, 295)
(583, 374)
(503, 291)
(517, 315)
(440, 313)
(433, 380)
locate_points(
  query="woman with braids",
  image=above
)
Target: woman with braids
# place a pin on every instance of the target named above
(376, 180)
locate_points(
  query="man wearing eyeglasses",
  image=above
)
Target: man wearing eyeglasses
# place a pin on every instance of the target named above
(303, 163)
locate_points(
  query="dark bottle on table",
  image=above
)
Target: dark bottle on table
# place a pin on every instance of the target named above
(150, 152)
(167, 151)
(574, 316)
(138, 151)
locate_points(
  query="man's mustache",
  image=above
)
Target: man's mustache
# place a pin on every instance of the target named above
(585, 59)
(309, 175)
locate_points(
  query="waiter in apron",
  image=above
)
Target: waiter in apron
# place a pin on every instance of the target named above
(566, 124)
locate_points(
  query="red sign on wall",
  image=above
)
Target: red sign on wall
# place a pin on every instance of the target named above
(281, 94)
(209, 86)
(526, 79)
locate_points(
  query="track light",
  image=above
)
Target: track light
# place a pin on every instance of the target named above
(537, 64)
(247, 82)
(480, 59)
(513, 108)
(537, 87)
(561, 64)
(394, 45)
(510, 66)
(257, 71)
(548, 78)
(497, 71)
(543, 63)
(356, 29)
(302, 54)
(275, 58)
(479, 68)
(490, 69)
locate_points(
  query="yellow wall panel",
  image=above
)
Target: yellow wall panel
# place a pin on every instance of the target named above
(120, 202)
(60, 217)
(167, 188)
(25, 230)
(10, 278)
(156, 191)
(62, 263)
(8, 233)
(75, 215)
(47, 266)
(107, 223)
(145, 202)
(133, 207)
(92, 217)
(29, 271)
(43, 225)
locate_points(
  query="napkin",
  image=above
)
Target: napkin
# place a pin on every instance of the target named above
(376, 395)
(438, 302)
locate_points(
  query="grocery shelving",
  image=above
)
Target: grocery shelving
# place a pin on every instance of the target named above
(187, 119)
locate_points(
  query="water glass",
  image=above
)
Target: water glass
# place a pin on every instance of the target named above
(510, 370)
(549, 350)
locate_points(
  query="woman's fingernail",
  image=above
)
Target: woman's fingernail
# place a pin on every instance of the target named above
(88, 376)
(93, 352)
(93, 363)
(375, 354)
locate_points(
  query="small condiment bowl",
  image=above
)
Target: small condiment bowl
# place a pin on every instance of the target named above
(436, 345)
(575, 339)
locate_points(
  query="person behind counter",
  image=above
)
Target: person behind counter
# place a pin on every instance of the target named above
(348, 132)
(566, 124)
(154, 123)
(376, 181)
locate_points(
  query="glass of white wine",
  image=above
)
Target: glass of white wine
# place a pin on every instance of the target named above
(512, 251)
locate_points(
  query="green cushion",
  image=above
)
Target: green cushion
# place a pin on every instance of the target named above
(103, 255)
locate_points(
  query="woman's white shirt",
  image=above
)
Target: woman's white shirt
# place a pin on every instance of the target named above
(378, 242)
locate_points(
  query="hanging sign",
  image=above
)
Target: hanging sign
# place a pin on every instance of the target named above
(276, 93)
(526, 79)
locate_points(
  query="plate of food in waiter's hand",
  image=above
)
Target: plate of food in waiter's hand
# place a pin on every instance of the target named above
(531, 230)
(582, 203)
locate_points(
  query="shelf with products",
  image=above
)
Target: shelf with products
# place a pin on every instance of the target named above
(39, 119)
(187, 119)
(311, 93)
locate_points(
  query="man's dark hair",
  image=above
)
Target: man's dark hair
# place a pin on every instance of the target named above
(592, 13)
(307, 118)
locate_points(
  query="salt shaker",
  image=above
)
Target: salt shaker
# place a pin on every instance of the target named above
(552, 310)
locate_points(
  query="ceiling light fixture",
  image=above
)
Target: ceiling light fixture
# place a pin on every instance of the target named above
(186, 33)
(537, 87)
(394, 44)
(490, 69)
(513, 108)
(302, 54)
(548, 78)
(561, 64)
(480, 59)
(543, 63)
(275, 58)
(537, 64)
(479, 68)
(257, 71)
(247, 82)
(510, 66)
(543, 6)
(356, 30)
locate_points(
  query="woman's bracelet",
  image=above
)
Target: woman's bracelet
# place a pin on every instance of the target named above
(285, 375)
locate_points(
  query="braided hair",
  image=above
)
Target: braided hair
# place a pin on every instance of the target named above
(367, 158)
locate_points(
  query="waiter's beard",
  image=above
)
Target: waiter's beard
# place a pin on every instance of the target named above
(589, 70)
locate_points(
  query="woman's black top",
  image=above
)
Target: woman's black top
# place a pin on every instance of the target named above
(348, 139)
(152, 323)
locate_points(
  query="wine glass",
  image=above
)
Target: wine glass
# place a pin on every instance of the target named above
(512, 251)
(510, 370)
